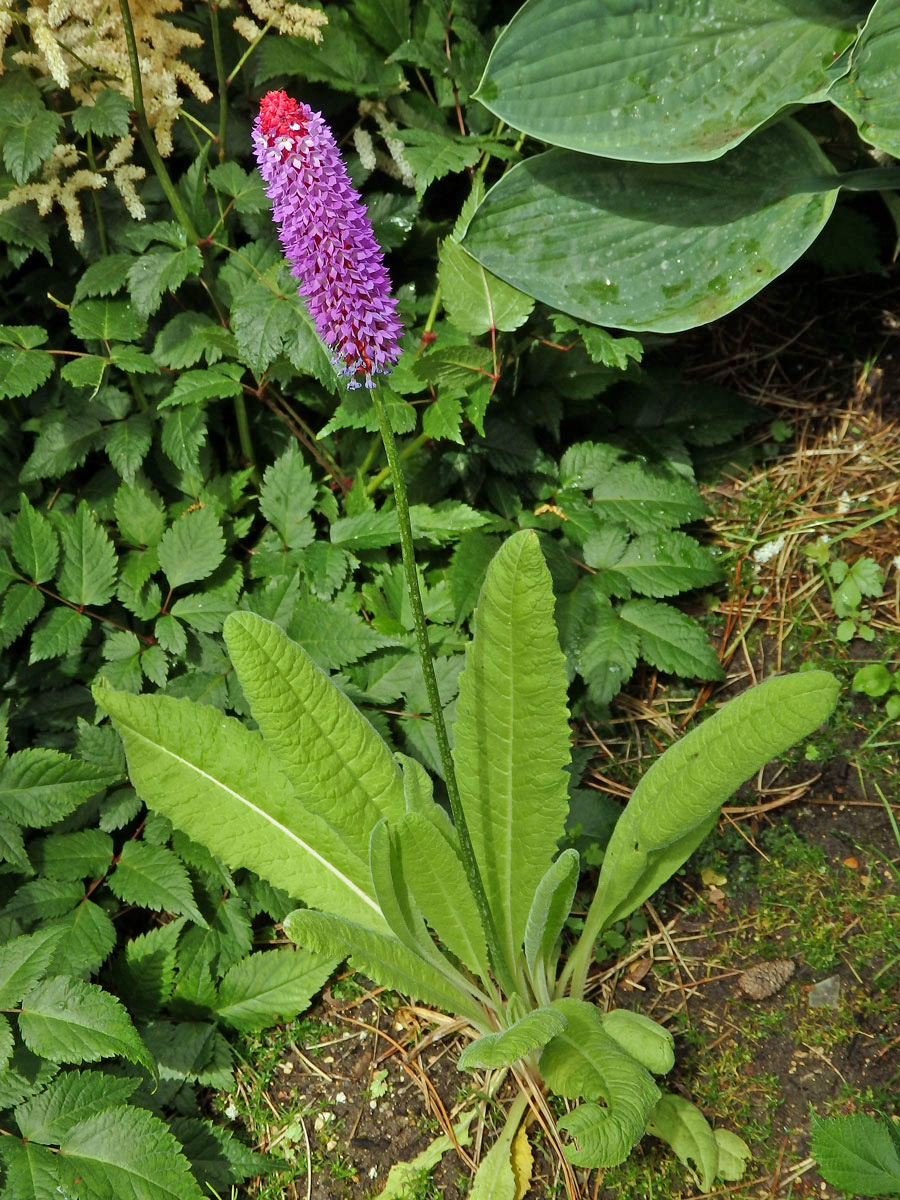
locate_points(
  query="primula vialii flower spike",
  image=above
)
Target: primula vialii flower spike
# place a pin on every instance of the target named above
(327, 238)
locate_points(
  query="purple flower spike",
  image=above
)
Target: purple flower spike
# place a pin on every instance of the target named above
(327, 238)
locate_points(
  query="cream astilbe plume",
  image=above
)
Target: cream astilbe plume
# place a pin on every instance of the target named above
(52, 189)
(71, 34)
(295, 20)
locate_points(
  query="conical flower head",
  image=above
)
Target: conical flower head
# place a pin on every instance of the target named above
(327, 238)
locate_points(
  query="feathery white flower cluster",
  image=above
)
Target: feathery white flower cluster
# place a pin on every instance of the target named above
(394, 162)
(295, 20)
(52, 188)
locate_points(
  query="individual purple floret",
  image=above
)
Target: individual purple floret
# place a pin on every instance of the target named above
(327, 238)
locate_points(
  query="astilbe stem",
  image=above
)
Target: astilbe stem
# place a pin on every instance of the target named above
(328, 240)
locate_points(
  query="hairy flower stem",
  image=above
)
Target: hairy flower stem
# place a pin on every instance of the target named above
(498, 962)
(146, 136)
(220, 77)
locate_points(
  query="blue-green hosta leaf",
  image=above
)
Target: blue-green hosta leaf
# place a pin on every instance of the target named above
(857, 1154)
(671, 640)
(71, 1098)
(270, 987)
(23, 961)
(676, 801)
(220, 783)
(287, 496)
(655, 247)
(477, 301)
(683, 1126)
(502, 1049)
(41, 786)
(643, 1039)
(88, 574)
(67, 1020)
(336, 762)
(125, 1152)
(626, 80)
(550, 910)
(867, 93)
(584, 1062)
(512, 734)
(153, 877)
(192, 547)
(382, 958)
(433, 871)
(35, 546)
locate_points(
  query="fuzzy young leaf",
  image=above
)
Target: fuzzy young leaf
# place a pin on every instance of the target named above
(67, 1020)
(678, 799)
(336, 762)
(34, 543)
(154, 877)
(512, 734)
(88, 574)
(219, 783)
(584, 1061)
(126, 1152)
(271, 987)
(530, 1032)
(192, 547)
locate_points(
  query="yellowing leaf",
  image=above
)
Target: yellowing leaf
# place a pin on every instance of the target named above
(522, 1161)
(712, 878)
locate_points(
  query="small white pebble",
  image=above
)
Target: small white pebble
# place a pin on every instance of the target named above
(340, 1098)
(287, 1067)
(373, 1171)
(330, 1145)
(399, 1025)
(373, 1104)
(329, 1058)
(768, 550)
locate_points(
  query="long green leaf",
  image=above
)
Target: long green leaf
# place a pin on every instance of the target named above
(657, 247)
(673, 81)
(512, 734)
(383, 959)
(550, 909)
(336, 762)
(682, 792)
(868, 92)
(219, 783)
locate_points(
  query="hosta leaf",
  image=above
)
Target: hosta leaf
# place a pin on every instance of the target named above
(125, 1152)
(219, 783)
(657, 247)
(287, 496)
(868, 90)
(67, 1020)
(270, 987)
(683, 1126)
(512, 734)
(477, 301)
(671, 640)
(34, 546)
(154, 877)
(676, 801)
(70, 1099)
(192, 547)
(529, 1033)
(583, 1061)
(41, 786)
(627, 81)
(381, 957)
(336, 762)
(58, 633)
(23, 961)
(88, 574)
